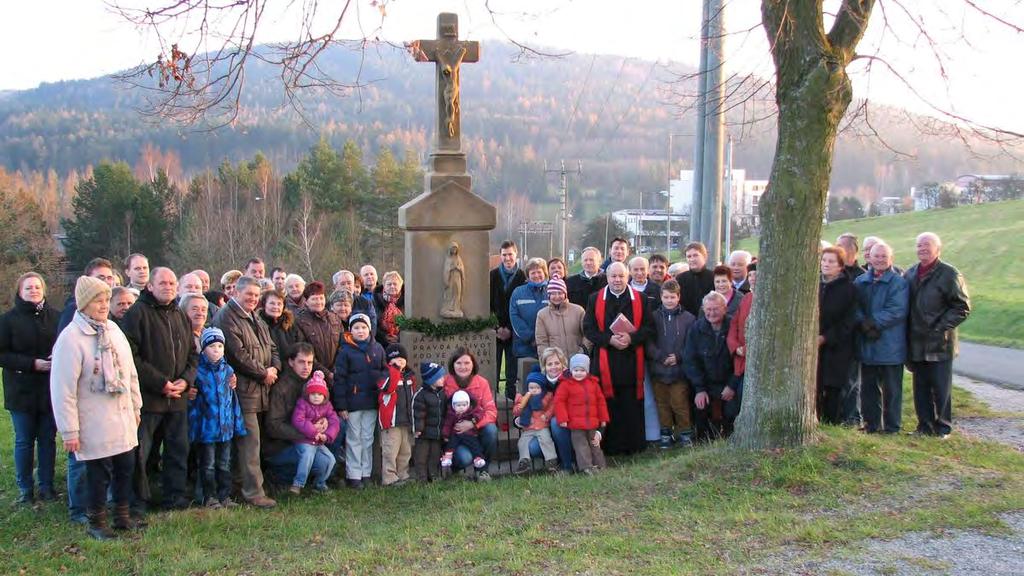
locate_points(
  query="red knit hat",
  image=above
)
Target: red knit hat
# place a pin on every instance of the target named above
(316, 384)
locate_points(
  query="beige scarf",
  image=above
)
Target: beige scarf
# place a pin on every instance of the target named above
(105, 362)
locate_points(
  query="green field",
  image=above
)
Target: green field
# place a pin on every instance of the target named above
(709, 510)
(981, 241)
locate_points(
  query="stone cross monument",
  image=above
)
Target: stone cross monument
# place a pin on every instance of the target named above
(447, 239)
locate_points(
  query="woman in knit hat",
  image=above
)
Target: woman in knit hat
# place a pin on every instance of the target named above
(358, 368)
(560, 324)
(94, 388)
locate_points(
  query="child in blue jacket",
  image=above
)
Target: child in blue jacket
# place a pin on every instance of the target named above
(214, 418)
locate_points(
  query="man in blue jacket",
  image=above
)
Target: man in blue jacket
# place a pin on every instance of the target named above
(524, 304)
(883, 298)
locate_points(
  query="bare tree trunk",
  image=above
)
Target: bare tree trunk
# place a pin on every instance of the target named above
(812, 93)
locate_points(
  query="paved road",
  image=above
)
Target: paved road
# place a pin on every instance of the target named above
(1004, 366)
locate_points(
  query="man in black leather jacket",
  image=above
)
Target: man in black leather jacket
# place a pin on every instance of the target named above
(938, 304)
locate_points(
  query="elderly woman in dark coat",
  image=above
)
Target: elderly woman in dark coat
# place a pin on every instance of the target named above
(280, 320)
(837, 302)
(27, 334)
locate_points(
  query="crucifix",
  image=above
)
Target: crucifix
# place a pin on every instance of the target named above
(448, 53)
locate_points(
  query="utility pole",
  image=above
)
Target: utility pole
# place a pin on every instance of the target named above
(729, 208)
(563, 209)
(696, 203)
(711, 198)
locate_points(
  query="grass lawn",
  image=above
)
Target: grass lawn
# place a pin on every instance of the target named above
(983, 241)
(709, 510)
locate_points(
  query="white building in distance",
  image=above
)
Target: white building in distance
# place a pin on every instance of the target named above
(745, 194)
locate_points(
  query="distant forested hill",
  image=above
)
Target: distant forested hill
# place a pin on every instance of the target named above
(608, 111)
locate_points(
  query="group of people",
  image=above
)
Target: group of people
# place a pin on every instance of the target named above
(677, 332)
(273, 378)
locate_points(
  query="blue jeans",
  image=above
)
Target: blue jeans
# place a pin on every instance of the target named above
(562, 438)
(215, 469)
(34, 430)
(78, 488)
(308, 454)
(338, 446)
(488, 436)
(284, 464)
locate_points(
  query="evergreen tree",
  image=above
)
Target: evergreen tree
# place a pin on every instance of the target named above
(114, 215)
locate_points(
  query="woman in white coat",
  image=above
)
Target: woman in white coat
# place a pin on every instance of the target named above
(96, 403)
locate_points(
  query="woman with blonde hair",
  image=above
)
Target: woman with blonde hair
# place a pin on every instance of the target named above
(27, 333)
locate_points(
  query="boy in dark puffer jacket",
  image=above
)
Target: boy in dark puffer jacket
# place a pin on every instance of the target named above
(429, 405)
(665, 366)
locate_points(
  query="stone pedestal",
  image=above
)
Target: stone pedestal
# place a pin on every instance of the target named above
(426, 349)
(448, 212)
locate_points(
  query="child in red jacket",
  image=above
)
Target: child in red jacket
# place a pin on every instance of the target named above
(580, 406)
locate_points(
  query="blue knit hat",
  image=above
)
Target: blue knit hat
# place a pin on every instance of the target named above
(360, 317)
(538, 378)
(431, 372)
(209, 336)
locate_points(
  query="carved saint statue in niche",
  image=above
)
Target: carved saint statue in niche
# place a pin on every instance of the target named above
(454, 276)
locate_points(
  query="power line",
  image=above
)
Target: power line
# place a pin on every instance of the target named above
(579, 96)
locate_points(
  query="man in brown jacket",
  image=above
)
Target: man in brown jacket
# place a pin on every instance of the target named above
(250, 350)
(561, 323)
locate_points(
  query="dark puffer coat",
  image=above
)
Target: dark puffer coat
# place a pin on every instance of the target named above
(429, 405)
(357, 372)
(706, 358)
(27, 334)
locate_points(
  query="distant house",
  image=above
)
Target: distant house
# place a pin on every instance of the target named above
(889, 205)
(982, 188)
(647, 227)
(745, 196)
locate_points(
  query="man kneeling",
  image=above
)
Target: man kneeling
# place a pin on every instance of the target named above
(280, 436)
(708, 367)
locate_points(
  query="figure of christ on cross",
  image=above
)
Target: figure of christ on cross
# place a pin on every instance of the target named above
(448, 53)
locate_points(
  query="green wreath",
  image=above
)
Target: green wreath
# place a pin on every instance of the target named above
(446, 328)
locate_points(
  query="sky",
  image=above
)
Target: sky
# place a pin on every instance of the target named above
(70, 39)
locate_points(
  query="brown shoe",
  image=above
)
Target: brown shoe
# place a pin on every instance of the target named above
(262, 502)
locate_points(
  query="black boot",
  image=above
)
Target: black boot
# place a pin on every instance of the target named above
(123, 519)
(98, 528)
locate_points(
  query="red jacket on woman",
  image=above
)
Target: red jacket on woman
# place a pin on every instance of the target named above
(738, 335)
(580, 404)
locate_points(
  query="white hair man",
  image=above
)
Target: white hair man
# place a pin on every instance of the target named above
(709, 368)
(882, 307)
(588, 280)
(618, 356)
(738, 262)
(938, 304)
